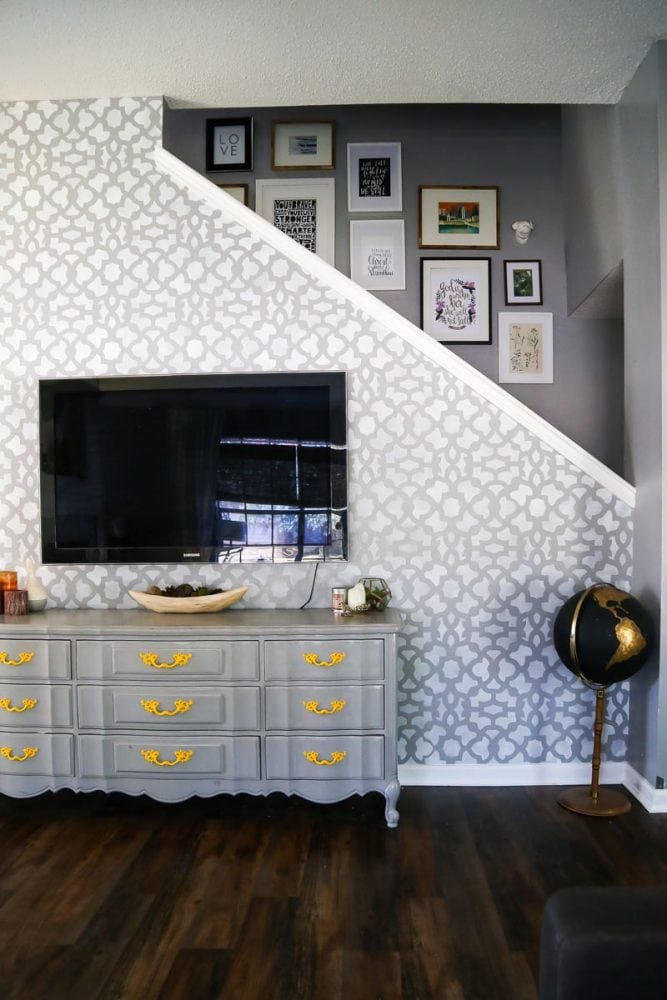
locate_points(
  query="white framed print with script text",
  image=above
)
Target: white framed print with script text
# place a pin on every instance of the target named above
(377, 254)
(525, 345)
(456, 299)
(374, 179)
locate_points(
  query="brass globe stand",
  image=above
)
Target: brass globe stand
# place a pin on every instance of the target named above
(595, 801)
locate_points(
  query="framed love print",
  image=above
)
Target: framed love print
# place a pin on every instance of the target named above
(228, 144)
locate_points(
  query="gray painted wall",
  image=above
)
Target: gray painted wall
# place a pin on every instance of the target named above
(590, 203)
(515, 147)
(641, 164)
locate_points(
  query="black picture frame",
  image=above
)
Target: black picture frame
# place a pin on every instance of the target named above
(471, 316)
(228, 155)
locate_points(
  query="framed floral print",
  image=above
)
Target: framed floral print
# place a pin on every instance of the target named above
(456, 299)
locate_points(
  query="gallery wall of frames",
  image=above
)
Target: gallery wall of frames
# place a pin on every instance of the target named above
(453, 215)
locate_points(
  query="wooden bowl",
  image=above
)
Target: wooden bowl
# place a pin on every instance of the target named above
(187, 605)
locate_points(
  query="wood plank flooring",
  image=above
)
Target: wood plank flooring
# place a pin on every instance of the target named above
(114, 898)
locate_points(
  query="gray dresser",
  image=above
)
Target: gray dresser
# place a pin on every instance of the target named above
(301, 702)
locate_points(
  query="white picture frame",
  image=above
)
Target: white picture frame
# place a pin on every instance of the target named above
(525, 347)
(377, 254)
(303, 209)
(374, 177)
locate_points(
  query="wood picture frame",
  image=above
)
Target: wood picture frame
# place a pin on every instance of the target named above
(239, 191)
(303, 145)
(456, 299)
(458, 218)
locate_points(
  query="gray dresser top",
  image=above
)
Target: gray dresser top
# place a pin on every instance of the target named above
(83, 622)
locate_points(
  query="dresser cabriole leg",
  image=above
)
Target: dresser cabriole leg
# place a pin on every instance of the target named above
(391, 793)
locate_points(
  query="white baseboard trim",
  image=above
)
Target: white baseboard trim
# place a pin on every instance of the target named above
(508, 774)
(654, 800)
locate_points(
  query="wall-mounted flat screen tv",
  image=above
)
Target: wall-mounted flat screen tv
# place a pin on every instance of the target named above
(194, 468)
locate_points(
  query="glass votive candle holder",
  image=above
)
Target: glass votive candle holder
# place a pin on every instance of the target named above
(8, 579)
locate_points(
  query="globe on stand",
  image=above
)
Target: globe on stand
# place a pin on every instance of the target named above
(603, 635)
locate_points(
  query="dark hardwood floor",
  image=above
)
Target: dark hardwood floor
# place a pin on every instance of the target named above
(112, 897)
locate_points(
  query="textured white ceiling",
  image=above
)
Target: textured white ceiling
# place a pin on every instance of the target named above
(281, 52)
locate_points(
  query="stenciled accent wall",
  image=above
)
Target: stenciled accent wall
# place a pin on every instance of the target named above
(481, 529)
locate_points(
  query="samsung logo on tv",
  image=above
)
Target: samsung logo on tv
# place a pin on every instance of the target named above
(191, 555)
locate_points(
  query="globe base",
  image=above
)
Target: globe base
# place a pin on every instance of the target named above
(607, 802)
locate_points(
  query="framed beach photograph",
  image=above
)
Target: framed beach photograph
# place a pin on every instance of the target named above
(377, 253)
(302, 209)
(374, 180)
(523, 283)
(456, 299)
(525, 345)
(238, 191)
(458, 217)
(228, 144)
(302, 146)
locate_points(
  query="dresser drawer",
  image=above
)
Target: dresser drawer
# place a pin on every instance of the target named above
(169, 708)
(324, 661)
(326, 707)
(177, 757)
(34, 660)
(24, 706)
(36, 753)
(178, 659)
(333, 757)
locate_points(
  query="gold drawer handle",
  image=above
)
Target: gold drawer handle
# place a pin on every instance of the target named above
(314, 706)
(23, 658)
(331, 662)
(153, 707)
(177, 660)
(28, 705)
(28, 752)
(336, 757)
(180, 757)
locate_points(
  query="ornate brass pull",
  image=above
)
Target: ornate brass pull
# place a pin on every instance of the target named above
(23, 658)
(180, 757)
(153, 707)
(314, 706)
(177, 660)
(331, 662)
(336, 757)
(28, 752)
(28, 705)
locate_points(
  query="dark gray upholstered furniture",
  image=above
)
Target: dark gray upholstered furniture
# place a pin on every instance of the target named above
(604, 942)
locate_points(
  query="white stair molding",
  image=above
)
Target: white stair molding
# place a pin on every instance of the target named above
(199, 186)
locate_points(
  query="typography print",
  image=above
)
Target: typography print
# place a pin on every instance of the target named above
(297, 217)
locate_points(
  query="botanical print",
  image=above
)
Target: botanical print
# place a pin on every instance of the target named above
(526, 348)
(297, 217)
(458, 217)
(456, 303)
(522, 282)
(375, 177)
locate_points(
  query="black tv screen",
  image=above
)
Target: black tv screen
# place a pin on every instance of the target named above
(194, 468)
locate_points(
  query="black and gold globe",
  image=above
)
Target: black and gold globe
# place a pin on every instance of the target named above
(603, 635)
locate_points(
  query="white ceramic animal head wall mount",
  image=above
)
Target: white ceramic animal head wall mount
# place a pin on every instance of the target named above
(522, 230)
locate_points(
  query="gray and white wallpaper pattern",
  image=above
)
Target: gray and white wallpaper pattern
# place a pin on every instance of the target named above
(107, 267)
